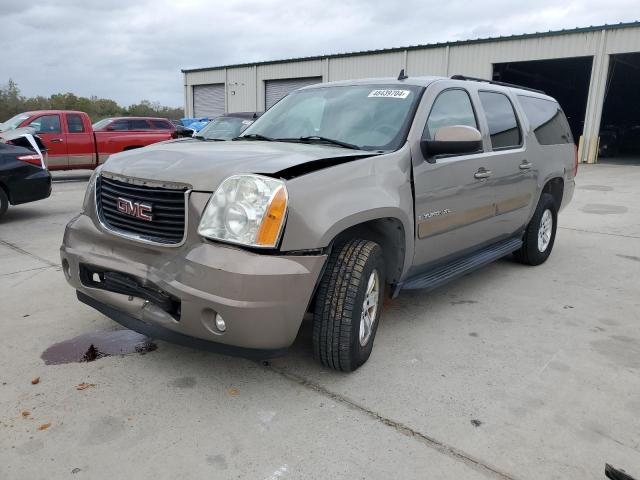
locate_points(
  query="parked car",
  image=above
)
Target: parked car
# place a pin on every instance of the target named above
(23, 174)
(228, 126)
(73, 143)
(131, 124)
(337, 194)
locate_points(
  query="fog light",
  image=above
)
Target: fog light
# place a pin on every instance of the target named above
(220, 325)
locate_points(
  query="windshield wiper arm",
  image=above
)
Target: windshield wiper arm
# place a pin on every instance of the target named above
(319, 139)
(254, 136)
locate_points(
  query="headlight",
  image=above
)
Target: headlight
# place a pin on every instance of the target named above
(246, 209)
(91, 186)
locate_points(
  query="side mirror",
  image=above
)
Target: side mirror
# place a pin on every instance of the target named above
(110, 128)
(452, 140)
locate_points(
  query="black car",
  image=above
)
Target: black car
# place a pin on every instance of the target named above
(228, 126)
(23, 175)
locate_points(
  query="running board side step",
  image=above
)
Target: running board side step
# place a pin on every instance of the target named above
(458, 268)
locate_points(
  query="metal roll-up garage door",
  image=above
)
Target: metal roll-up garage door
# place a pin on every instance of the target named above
(274, 90)
(208, 100)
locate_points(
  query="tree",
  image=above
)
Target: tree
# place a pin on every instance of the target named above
(12, 103)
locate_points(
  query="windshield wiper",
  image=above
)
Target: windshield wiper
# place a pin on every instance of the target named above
(207, 139)
(319, 139)
(255, 136)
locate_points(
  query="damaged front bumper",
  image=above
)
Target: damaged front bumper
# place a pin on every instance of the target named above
(178, 293)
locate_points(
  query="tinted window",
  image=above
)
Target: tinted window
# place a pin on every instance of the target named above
(501, 118)
(452, 107)
(138, 125)
(119, 125)
(47, 124)
(161, 125)
(74, 122)
(547, 120)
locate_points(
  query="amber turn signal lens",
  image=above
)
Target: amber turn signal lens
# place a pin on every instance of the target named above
(272, 220)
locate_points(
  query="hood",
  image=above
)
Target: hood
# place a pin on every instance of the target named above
(204, 165)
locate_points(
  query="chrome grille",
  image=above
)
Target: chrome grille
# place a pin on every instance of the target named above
(164, 215)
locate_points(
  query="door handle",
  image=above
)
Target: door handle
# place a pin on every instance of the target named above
(482, 173)
(525, 165)
(57, 140)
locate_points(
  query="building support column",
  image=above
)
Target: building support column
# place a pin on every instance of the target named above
(595, 102)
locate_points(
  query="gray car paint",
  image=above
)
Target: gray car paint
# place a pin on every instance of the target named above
(322, 204)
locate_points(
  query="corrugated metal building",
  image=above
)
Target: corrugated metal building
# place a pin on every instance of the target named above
(594, 72)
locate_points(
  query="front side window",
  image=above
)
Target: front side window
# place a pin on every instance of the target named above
(451, 107)
(75, 124)
(547, 120)
(502, 121)
(368, 117)
(46, 124)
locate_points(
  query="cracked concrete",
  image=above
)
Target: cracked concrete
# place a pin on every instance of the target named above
(509, 373)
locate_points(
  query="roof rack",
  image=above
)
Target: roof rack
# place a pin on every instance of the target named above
(495, 82)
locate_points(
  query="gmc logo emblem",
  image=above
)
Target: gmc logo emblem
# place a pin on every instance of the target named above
(140, 210)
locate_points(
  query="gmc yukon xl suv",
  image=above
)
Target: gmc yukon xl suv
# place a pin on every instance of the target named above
(338, 194)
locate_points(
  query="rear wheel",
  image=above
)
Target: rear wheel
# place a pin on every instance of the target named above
(540, 233)
(4, 202)
(348, 305)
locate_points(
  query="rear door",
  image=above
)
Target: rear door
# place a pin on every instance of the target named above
(80, 144)
(454, 201)
(513, 173)
(49, 128)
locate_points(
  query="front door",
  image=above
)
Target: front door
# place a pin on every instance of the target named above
(49, 129)
(454, 198)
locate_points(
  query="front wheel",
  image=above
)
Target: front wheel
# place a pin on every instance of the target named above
(540, 233)
(348, 305)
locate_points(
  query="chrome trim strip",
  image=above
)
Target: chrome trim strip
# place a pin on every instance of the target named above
(133, 236)
(147, 183)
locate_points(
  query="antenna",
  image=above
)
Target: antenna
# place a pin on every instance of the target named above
(402, 76)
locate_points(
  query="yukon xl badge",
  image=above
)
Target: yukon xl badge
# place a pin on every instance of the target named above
(140, 210)
(437, 213)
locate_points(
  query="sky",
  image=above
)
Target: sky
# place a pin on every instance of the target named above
(134, 50)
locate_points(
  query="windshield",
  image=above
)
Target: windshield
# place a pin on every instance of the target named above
(224, 128)
(370, 117)
(13, 122)
(101, 124)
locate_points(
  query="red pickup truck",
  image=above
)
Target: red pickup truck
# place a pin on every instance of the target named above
(73, 143)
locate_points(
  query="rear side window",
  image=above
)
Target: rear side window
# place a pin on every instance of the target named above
(138, 125)
(47, 124)
(547, 120)
(161, 125)
(452, 107)
(502, 121)
(75, 124)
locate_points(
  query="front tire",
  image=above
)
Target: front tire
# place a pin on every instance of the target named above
(540, 233)
(4, 202)
(348, 305)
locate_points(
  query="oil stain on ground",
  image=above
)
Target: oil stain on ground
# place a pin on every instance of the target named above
(91, 346)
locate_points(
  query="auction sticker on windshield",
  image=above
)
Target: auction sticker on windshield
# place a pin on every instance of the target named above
(389, 93)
